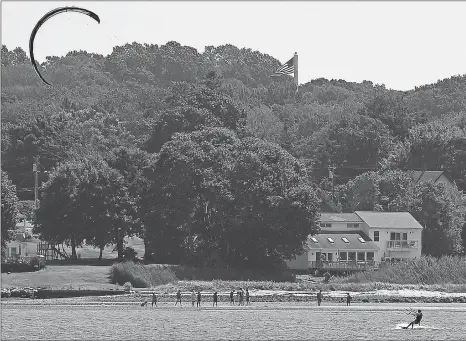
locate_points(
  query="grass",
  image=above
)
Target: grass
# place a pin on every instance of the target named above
(426, 270)
(62, 277)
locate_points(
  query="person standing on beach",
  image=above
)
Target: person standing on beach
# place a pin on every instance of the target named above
(238, 294)
(247, 296)
(319, 298)
(232, 298)
(178, 297)
(198, 298)
(154, 299)
(215, 299)
(327, 277)
(348, 299)
(193, 298)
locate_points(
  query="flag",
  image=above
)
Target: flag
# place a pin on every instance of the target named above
(290, 67)
(285, 69)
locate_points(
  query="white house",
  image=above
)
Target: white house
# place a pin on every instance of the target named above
(397, 234)
(362, 237)
(17, 248)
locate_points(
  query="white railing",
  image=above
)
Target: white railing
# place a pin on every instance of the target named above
(402, 244)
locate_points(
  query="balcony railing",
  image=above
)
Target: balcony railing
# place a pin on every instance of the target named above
(348, 265)
(402, 244)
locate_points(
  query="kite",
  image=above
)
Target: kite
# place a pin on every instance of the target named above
(47, 17)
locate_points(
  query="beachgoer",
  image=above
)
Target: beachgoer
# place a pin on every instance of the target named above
(193, 298)
(348, 299)
(154, 299)
(215, 299)
(178, 297)
(198, 298)
(326, 277)
(232, 298)
(417, 320)
(247, 296)
(319, 298)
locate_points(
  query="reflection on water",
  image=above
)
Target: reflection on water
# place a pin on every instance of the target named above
(261, 321)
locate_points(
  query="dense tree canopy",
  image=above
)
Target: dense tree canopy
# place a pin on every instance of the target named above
(208, 148)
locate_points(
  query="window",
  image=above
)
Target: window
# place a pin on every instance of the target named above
(370, 256)
(330, 240)
(351, 225)
(343, 256)
(361, 256)
(345, 239)
(314, 240)
(351, 256)
(361, 240)
(376, 236)
(398, 236)
(325, 225)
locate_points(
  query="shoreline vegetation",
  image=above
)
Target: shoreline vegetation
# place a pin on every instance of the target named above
(426, 279)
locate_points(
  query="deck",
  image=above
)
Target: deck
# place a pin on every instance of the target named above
(342, 266)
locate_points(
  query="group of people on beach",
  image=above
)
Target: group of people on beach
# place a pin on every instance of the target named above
(196, 298)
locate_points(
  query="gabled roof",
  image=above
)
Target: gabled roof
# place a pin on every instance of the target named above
(340, 217)
(427, 175)
(354, 243)
(402, 220)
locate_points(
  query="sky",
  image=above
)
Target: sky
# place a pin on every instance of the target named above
(399, 44)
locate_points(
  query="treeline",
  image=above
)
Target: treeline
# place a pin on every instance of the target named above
(212, 161)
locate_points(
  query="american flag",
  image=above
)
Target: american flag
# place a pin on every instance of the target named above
(285, 69)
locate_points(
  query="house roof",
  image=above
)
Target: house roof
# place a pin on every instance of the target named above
(427, 175)
(340, 217)
(354, 243)
(389, 219)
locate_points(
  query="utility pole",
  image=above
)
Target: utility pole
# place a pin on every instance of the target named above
(36, 182)
(331, 170)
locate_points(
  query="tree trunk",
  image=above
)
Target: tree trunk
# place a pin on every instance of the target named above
(73, 249)
(100, 254)
(120, 248)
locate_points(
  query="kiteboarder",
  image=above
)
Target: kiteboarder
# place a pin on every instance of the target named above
(417, 320)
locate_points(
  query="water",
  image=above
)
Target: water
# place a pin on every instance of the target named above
(260, 321)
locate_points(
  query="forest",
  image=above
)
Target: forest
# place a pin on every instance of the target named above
(212, 161)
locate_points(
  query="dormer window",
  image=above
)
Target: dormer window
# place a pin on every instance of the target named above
(361, 240)
(314, 240)
(345, 240)
(330, 240)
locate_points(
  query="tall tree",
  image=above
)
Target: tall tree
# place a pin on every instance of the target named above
(9, 210)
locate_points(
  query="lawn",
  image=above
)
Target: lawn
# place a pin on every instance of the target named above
(62, 277)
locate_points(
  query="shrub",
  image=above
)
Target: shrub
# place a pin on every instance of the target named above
(140, 276)
(424, 270)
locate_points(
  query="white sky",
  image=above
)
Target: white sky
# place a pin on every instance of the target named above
(398, 44)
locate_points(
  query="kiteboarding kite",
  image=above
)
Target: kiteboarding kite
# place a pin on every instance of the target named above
(47, 17)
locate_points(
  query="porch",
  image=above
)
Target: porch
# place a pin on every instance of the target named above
(343, 266)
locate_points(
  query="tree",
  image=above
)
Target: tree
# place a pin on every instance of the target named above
(59, 218)
(237, 201)
(9, 210)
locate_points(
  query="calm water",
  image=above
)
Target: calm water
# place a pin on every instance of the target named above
(260, 321)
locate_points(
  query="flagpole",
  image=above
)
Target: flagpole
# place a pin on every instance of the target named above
(295, 63)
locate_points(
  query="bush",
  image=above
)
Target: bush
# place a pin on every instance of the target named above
(424, 270)
(140, 276)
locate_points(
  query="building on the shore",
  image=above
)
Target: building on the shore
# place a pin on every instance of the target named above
(360, 240)
(434, 176)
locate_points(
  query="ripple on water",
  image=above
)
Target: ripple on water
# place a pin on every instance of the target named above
(257, 322)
